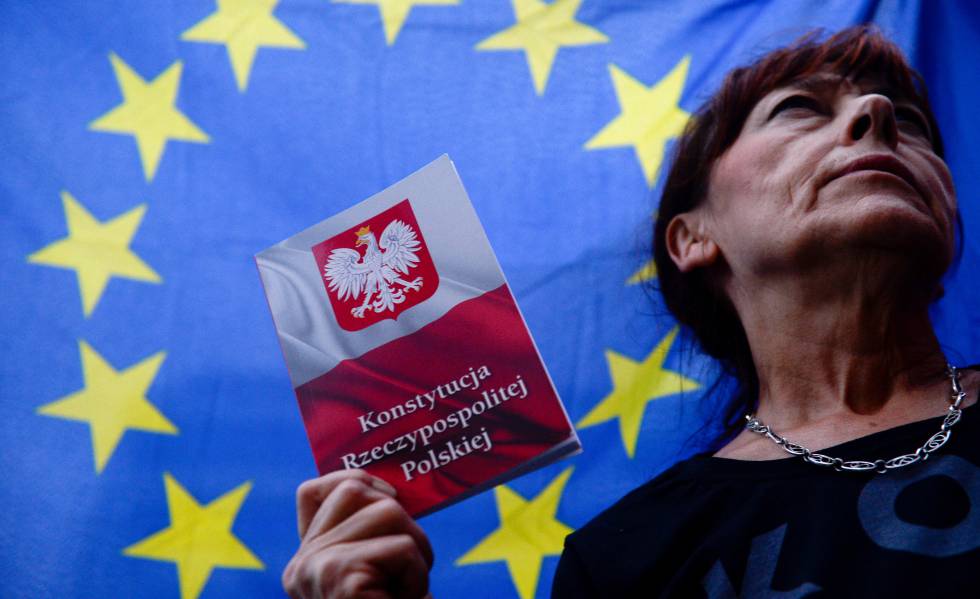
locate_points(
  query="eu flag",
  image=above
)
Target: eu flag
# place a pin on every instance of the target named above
(150, 443)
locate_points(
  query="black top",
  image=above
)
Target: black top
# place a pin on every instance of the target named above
(715, 527)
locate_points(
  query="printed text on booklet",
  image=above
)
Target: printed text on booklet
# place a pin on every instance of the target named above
(422, 436)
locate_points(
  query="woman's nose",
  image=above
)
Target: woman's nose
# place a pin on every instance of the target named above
(872, 115)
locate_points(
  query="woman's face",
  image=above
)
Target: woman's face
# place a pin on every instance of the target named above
(831, 167)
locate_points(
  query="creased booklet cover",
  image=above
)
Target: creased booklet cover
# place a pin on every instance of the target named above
(406, 349)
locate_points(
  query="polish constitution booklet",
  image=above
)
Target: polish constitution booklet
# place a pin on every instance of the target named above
(406, 349)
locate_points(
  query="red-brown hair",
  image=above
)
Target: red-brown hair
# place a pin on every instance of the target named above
(692, 299)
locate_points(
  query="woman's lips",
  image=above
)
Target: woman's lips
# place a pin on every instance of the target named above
(884, 163)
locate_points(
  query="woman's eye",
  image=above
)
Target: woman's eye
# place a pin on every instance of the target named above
(802, 103)
(912, 122)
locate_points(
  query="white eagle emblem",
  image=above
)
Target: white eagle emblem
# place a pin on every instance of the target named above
(379, 273)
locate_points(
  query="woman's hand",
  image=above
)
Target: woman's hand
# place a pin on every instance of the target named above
(356, 541)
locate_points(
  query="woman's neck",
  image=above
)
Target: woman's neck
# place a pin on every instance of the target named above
(827, 348)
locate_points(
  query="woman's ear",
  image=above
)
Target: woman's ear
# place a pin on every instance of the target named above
(687, 243)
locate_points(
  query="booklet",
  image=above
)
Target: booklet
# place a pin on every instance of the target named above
(406, 349)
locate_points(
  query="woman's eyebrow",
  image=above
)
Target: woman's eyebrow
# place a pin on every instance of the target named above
(817, 83)
(822, 82)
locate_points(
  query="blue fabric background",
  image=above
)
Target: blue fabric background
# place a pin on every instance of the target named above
(317, 130)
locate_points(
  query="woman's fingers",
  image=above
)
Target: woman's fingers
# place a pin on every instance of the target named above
(346, 499)
(311, 494)
(387, 566)
(357, 541)
(384, 517)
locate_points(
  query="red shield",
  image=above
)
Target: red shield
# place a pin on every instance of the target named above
(377, 269)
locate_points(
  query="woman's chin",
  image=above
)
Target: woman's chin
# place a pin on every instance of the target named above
(877, 226)
(891, 221)
(892, 205)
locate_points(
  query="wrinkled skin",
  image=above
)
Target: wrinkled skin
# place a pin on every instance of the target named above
(808, 140)
(780, 200)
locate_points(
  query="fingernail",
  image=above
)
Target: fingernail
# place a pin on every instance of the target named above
(383, 486)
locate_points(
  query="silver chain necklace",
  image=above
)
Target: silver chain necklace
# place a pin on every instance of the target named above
(934, 442)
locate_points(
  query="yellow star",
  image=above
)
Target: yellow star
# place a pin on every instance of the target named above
(112, 402)
(394, 12)
(542, 29)
(528, 532)
(646, 272)
(148, 113)
(96, 250)
(199, 538)
(242, 26)
(634, 385)
(648, 119)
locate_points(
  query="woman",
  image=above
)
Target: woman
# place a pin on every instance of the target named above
(804, 228)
